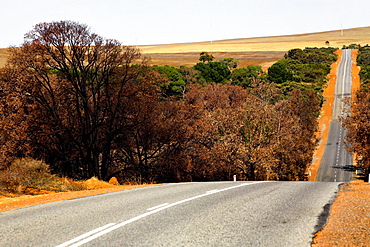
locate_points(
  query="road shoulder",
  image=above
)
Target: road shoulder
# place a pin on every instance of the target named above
(348, 223)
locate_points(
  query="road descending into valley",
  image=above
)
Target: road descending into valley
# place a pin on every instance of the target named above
(336, 163)
(185, 214)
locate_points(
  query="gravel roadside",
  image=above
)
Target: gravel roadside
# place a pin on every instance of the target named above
(349, 219)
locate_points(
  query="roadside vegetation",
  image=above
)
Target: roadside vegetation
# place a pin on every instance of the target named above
(91, 107)
(29, 176)
(358, 123)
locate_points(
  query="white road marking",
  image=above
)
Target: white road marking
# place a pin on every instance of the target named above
(212, 191)
(159, 206)
(87, 237)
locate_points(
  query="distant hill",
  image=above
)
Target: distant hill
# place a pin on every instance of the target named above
(336, 38)
(261, 51)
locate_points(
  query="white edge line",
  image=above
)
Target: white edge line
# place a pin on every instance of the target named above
(116, 226)
(85, 235)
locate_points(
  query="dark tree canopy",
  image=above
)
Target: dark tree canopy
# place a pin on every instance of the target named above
(76, 85)
(245, 76)
(175, 86)
(231, 63)
(205, 57)
(278, 73)
(213, 71)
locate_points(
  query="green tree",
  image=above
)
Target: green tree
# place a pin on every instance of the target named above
(231, 63)
(278, 73)
(205, 57)
(295, 54)
(213, 71)
(176, 84)
(191, 75)
(245, 76)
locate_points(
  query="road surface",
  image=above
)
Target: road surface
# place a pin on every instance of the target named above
(185, 214)
(336, 164)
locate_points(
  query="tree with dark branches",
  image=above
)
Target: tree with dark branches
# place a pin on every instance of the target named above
(75, 86)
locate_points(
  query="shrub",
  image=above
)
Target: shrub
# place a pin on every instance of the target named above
(29, 176)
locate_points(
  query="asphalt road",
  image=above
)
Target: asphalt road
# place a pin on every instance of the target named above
(336, 164)
(184, 214)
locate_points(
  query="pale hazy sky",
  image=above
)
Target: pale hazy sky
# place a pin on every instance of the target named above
(141, 22)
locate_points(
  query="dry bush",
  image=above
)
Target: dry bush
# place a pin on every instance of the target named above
(29, 176)
(68, 184)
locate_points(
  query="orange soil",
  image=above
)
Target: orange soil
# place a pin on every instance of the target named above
(349, 222)
(325, 118)
(356, 84)
(94, 186)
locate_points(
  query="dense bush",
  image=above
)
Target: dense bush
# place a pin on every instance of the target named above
(305, 69)
(213, 72)
(246, 77)
(363, 60)
(32, 176)
(279, 73)
(175, 85)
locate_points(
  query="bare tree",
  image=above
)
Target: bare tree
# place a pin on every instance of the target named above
(76, 85)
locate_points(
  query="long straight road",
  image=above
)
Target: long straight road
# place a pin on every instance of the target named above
(184, 214)
(336, 163)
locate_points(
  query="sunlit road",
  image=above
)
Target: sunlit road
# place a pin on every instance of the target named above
(194, 214)
(185, 214)
(336, 164)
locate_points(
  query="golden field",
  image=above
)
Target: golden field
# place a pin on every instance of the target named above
(262, 51)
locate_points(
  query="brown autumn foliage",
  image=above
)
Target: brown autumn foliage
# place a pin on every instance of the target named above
(240, 133)
(357, 120)
(77, 101)
(358, 125)
(69, 91)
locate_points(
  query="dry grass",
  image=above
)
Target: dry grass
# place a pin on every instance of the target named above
(275, 43)
(3, 56)
(10, 203)
(261, 58)
(251, 51)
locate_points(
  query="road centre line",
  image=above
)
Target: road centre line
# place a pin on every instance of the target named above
(87, 237)
(212, 191)
(344, 75)
(159, 206)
